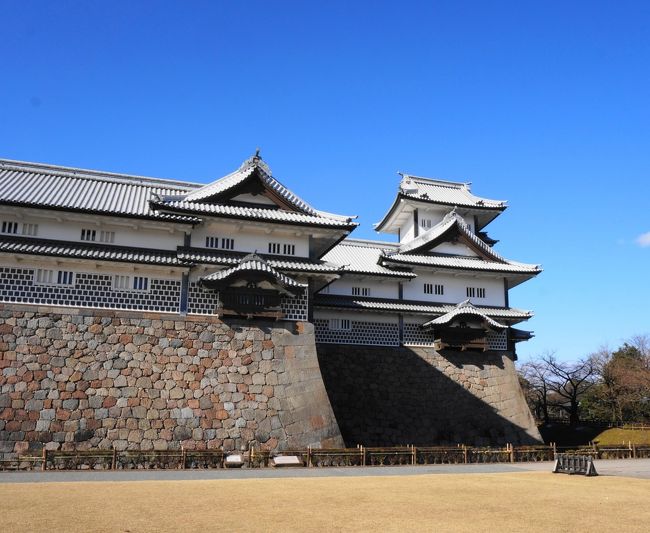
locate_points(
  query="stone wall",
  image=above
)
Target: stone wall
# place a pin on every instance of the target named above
(85, 378)
(385, 396)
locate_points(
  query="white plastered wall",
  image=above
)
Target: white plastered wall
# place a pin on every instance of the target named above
(379, 288)
(128, 232)
(455, 288)
(249, 238)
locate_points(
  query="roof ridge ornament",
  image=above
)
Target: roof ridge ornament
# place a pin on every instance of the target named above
(465, 303)
(252, 257)
(256, 161)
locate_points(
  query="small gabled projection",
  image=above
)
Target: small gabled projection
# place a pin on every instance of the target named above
(252, 287)
(465, 327)
(251, 184)
(452, 228)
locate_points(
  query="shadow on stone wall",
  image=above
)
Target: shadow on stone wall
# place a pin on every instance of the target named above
(385, 396)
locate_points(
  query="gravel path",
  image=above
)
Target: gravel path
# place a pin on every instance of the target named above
(639, 468)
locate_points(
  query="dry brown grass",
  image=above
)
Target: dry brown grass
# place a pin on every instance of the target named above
(463, 502)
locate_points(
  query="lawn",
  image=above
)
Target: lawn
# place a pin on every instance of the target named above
(449, 502)
(621, 435)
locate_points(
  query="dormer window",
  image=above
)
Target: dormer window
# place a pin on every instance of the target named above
(88, 235)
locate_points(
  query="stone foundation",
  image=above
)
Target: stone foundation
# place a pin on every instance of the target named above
(385, 396)
(79, 379)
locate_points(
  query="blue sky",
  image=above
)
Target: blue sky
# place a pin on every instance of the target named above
(544, 104)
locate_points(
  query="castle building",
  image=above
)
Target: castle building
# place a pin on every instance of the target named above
(140, 313)
(246, 246)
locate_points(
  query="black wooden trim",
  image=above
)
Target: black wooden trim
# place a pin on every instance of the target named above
(416, 223)
(185, 285)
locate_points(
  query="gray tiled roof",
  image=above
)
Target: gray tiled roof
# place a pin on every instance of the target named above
(247, 168)
(463, 309)
(445, 192)
(254, 263)
(362, 257)
(461, 262)
(97, 252)
(48, 186)
(253, 213)
(295, 264)
(407, 306)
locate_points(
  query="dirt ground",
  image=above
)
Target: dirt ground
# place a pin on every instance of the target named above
(530, 501)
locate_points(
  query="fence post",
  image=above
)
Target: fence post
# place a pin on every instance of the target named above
(250, 456)
(309, 456)
(465, 453)
(44, 465)
(114, 460)
(414, 452)
(633, 451)
(363, 456)
(183, 457)
(512, 453)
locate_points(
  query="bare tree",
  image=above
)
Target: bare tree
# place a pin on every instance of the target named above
(568, 382)
(535, 377)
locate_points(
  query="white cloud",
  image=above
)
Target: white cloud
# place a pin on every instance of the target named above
(643, 240)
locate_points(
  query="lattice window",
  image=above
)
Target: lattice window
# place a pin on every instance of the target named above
(475, 292)
(88, 234)
(227, 243)
(9, 227)
(339, 324)
(65, 277)
(140, 283)
(360, 291)
(44, 276)
(211, 242)
(107, 236)
(121, 283)
(30, 230)
(434, 288)
(289, 249)
(274, 247)
(497, 340)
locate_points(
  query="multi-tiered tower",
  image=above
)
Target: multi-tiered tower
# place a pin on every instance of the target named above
(442, 284)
